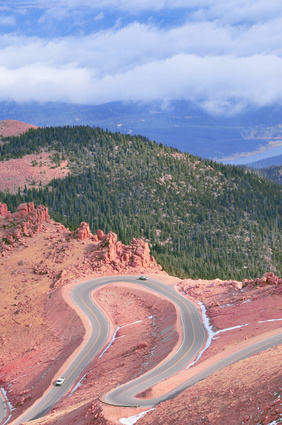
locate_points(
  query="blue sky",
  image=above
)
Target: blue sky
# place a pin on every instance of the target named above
(224, 55)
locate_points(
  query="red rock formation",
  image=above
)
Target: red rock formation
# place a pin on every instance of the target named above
(26, 221)
(83, 232)
(100, 234)
(109, 254)
(3, 209)
(237, 285)
(137, 254)
(268, 278)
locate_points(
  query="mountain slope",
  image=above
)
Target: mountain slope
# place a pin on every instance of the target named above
(273, 173)
(202, 219)
(268, 162)
(270, 168)
(13, 128)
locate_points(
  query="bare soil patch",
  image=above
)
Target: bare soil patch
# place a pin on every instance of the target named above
(14, 128)
(31, 171)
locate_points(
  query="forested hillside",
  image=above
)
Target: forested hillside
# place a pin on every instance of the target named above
(273, 173)
(201, 218)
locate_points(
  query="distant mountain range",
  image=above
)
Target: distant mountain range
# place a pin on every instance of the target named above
(270, 168)
(267, 162)
(178, 124)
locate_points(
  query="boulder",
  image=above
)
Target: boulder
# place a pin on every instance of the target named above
(237, 285)
(115, 256)
(262, 280)
(22, 209)
(26, 221)
(111, 238)
(100, 234)
(269, 278)
(3, 209)
(83, 232)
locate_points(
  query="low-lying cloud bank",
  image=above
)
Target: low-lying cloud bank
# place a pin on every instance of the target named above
(219, 84)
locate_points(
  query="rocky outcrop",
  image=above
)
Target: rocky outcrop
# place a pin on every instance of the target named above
(25, 222)
(268, 278)
(3, 209)
(235, 283)
(110, 255)
(201, 286)
(103, 253)
(83, 232)
(113, 252)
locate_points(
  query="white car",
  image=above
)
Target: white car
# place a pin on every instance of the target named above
(60, 381)
(143, 278)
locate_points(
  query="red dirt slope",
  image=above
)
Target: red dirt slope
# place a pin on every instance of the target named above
(31, 170)
(14, 128)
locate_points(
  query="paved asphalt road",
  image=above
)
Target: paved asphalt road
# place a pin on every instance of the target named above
(124, 395)
(193, 338)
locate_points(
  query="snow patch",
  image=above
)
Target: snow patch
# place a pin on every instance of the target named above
(6, 401)
(115, 336)
(230, 329)
(207, 325)
(270, 320)
(19, 377)
(210, 332)
(133, 419)
(79, 384)
(277, 421)
(111, 342)
(129, 324)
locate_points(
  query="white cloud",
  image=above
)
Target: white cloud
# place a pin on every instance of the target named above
(215, 82)
(99, 17)
(120, 49)
(44, 83)
(233, 10)
(228, 55)
(7, 20)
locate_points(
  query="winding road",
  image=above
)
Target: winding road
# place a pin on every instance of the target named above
(193, 339)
